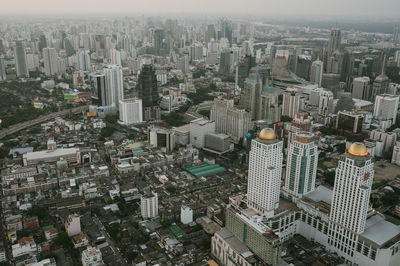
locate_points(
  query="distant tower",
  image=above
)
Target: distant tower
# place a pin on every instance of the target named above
(317, 69)
(98, 87)
(50, 61)
(301, 167)
(350, 201)
(114, 85)
(2, 68)
(381, 83)
(20, 59)
(361, 88)
(147, 86)
(265, 169)
(396, 34)
(291, 102)
(334, 41)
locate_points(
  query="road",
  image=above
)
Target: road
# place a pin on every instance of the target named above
(110, 241)
(18, 127)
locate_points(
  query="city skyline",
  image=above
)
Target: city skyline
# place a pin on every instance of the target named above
(340, 8)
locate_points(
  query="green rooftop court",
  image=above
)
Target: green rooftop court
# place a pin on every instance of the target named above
(176, 231)
(205, 169)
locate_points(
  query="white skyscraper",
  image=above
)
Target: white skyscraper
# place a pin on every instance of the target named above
(301, 166)
(386, 107)
(351, 194)
(2, 68)
(291, 102)
(50, 61)
(83, 60)
(115, 57)
(325, 102)
(149, 205)
(265, 169)
(20, 59)
(114, 85)
(130, 111)
(317, 69)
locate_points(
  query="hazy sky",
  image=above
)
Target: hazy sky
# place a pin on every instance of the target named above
(359, 8)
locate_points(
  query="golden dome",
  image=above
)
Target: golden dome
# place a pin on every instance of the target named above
(267, 134)
(357, 149)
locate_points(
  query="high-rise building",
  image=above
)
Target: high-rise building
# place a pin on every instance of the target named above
(300, 123)
(386, 107)
(317, 69)
(226, 61)
(270, 109)
(83, 60)
(251, 98)
(130, 111)
(147, 86)
(265, 169)
(98, 87)
(349, 121)
(20, 59)
(114, 85)
(396, 34)
(291, 102)
(361, 88)
(210, 33)
(229, 120)
(335, 39)
(50, 61)
(350, 200)
(325, 104)
(196, 52)
(115, 57)
(381, 83)
(159, 45)
(183, 64)
(149, 205)
(301, 166)
(3, 75)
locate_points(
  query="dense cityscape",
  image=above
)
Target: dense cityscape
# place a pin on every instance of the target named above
(221, 140)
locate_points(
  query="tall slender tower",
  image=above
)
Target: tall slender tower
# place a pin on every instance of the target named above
(2, 68)
(334, 40)
(50, 61)
(265, 170)
(317, 69)
(301, 167)
(350, 199)
(147, 86)
(114, 85)
(20, 59)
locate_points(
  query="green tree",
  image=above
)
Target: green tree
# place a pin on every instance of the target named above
(390, 198)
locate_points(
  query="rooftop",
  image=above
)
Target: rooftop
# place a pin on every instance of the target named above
(380, 231)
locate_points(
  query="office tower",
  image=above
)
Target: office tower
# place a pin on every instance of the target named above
(225, 30)
(386, 107)
(130, 111)
(291, 102)
(270, 109)
(251, 98)
(115, 57)
(349, 122)
(381, 83)
(303, 65)
(50, 61)
(335, 39)
(83, 60)
(199, 128)
(345, 102)
(196, 52)
(149, 204)
(334, 63)
(265, 168)
(396, 153)
(350, 200)
(229, 120)
(396, 34)
(126, 44)
(20, 59)
(3, 75)
(317, 69)
(325, 104)
(226, 62)
(159, 45)
(98, 87)
(301, 166)
(42, 42)
(84, 41)
(210, 33)
(114, 85)
(183, 64)
(147, 86)
(361, 88)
